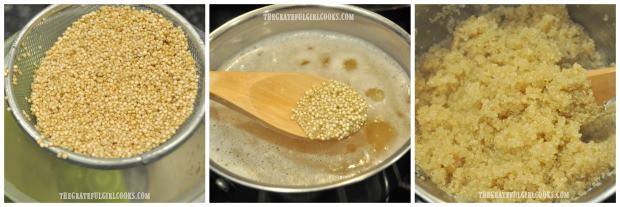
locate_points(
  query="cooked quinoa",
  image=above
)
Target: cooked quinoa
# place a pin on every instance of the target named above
(333, 110)
(500, 104)
(118, 83)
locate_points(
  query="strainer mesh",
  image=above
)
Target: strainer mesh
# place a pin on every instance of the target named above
(41, 35)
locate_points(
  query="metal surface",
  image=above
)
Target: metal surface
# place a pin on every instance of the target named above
(39, 36)
(390, 185)
(591, 17)
(249, 28)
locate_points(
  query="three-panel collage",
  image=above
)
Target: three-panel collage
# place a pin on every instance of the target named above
(309, 103)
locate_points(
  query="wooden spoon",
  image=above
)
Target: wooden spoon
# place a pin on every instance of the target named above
(267, 97)
(603, 84)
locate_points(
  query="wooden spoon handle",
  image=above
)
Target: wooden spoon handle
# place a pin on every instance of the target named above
(603, 84)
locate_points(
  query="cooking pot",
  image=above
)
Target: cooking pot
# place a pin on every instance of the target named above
(243, 31)
(598, 21)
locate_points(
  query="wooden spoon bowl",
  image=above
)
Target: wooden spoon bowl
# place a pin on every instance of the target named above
(603, 84)
(268, 97)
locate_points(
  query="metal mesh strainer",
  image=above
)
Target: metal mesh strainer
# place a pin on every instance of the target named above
(40, 34)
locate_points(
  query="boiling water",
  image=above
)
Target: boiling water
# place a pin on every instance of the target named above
(244, 147)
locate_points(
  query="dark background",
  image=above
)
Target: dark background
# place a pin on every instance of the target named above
(16, 16)
(220, 14)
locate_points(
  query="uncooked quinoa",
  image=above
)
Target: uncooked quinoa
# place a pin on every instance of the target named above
(333, 110)
(500, 105)
(118, 83)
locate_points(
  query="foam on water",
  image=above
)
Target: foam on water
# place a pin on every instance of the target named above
(244, 147)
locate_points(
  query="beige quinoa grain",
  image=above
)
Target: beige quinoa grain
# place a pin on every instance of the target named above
(333, 110)
(62, 155)
(499, 106)
(26, 115)
(118, 83)
(17, 70)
